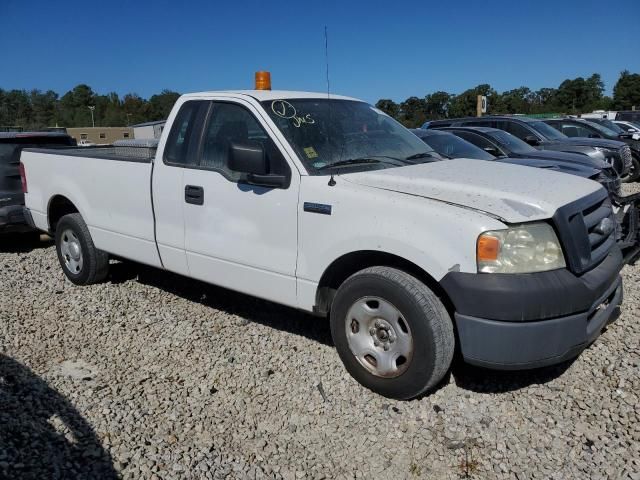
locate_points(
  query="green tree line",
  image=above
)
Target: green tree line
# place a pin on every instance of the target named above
(36, 109)
(573, 96)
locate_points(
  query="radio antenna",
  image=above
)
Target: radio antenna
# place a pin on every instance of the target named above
(326, 57)
(332, 181)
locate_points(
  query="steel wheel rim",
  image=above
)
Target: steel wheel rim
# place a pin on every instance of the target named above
(379, 337)
(71, 251)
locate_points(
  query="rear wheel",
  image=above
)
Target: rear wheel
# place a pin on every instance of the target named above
(81, 261)
(392, 332)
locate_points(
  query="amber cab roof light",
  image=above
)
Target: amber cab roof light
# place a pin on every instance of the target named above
(263, 80)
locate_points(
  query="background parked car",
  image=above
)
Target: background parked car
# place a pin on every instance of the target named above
(597, 128)
(11, 196)
(610, 125)
(483, 143)
(497, 145)
(630, 127)
(630, 116)
(544, 137)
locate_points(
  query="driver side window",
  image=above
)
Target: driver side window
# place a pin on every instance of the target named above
(517, 130)
(571, 130)
(231, 123)
(477, 140)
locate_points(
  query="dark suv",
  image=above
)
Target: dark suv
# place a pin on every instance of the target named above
(544, 137)
(11, 196)
(491, 144)
(507, 147)
(600, 128)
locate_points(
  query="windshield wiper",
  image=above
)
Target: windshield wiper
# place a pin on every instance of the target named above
(424, 155)
(352, 161)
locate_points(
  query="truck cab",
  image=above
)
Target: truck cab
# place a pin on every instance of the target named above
(326, 204)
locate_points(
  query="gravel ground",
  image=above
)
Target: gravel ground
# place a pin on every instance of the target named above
(151, 375)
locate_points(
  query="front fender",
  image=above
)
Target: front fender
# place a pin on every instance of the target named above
(435, 236)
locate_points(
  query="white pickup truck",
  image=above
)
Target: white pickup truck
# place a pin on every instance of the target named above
(330, 206)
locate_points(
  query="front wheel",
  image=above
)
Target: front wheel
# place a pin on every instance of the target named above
(81, 261)
(392, 332)
(634, 171)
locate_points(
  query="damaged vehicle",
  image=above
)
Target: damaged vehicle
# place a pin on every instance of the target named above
(328, 205)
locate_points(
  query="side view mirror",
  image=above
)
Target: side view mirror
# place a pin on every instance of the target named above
(532, 140)
(594, 135)
(492, 150)
(250, 158)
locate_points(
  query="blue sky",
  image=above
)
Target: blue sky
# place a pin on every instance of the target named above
(376, 49)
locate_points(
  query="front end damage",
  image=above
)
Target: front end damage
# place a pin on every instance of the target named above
(627, 213)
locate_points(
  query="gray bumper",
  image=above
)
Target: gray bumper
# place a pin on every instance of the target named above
(522, 345)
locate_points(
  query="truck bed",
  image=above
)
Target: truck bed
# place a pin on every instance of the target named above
(110, 186)
(126, 151)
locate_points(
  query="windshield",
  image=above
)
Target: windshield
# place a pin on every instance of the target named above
(449, 145)
(360, 137)
(628, 127)
(547, 131)
(611, 126)
(511, 142)
(602, 129)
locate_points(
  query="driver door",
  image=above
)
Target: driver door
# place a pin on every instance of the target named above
(238, 235)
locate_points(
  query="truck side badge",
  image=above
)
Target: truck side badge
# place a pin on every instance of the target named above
(317, 208)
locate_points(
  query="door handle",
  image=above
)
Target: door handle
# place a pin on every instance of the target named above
(194, 195)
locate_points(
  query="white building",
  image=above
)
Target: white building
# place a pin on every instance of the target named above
(148, 130)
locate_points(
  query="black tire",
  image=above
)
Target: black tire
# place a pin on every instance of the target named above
(95, 263)
(634, 171)
(429, 325)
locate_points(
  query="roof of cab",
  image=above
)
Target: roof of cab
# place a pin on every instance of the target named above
(262, 95)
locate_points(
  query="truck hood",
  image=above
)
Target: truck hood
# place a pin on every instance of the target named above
(587, 142)
(555, 165)
(575, 158)
(512, 193)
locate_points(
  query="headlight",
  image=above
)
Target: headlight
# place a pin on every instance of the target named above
(524, 248)
(605, 150)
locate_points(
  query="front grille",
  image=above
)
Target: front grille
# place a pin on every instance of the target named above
(625, 154)
(600, 239)
(587, 230)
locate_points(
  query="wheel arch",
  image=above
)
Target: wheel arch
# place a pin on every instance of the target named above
(58, 207)
(348, 264)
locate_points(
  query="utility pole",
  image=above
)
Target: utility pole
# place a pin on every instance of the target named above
(92, 108)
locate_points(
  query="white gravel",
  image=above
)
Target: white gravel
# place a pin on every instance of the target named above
(151, 375)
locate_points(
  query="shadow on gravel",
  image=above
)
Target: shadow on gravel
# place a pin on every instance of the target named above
(41, 434)
(483, 380)
(23, 242)
(247, 307)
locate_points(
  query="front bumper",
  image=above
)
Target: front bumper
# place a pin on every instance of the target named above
(12, 219)
(533, 320)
